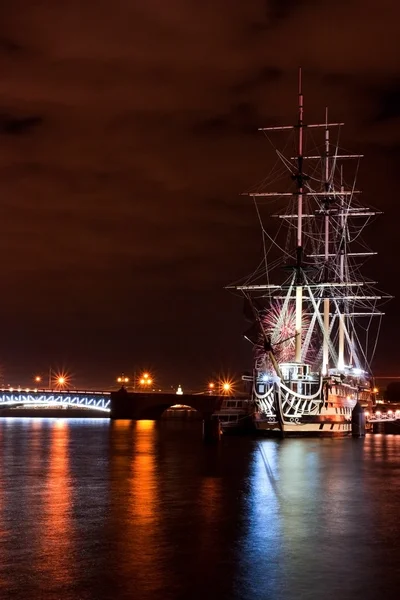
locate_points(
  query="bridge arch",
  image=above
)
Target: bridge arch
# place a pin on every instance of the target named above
(159, 411)
(137, 405)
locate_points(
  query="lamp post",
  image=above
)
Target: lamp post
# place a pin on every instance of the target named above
(145, 380)
(122, 379)
(226, 388)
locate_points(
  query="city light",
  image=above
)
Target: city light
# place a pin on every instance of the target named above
(123, 379)
(61, 380)
(145, 379)
(375, 390)
(226, 387)
(38, 378)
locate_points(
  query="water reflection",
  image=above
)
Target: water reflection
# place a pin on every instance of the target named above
(135, 479)
(57, 526)
(107, 511)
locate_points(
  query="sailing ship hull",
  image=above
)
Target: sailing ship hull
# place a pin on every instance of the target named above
(282, 410)
(321, 426)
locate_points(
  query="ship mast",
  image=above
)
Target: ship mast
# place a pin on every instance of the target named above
(325, 346)
(335, 288)
(340, 365)
(299, 288)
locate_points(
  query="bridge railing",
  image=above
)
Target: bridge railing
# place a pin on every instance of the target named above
(99, 401)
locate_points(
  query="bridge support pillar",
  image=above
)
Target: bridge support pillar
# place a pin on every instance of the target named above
(358, 421)
(211, 429)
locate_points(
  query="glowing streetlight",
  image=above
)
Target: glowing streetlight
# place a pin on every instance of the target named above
(38, 378)
(61, 380)
(375, 390)
(123, 379)
(226, 387)
(145, 379)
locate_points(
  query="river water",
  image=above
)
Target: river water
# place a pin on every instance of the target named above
(93, 509)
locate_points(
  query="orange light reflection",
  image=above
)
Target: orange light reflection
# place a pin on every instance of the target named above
(58, 531)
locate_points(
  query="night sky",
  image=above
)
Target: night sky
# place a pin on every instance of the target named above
(129, 130)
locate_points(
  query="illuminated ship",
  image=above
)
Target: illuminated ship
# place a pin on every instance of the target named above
(315, 317)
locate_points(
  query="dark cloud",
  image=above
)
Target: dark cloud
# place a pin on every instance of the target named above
(18, 125)
(129, 131)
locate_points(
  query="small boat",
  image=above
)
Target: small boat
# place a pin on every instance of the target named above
(235, 415)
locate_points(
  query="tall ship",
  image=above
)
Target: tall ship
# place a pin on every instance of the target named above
(315, 317)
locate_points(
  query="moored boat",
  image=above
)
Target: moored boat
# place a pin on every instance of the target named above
(235, 415)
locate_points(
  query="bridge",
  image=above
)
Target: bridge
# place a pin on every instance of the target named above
(141, 405)
(96, 401)
(119, 405)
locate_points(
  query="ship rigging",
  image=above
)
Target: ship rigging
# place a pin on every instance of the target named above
(317, 317)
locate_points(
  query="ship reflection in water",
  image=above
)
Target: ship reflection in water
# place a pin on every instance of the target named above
(96, 510)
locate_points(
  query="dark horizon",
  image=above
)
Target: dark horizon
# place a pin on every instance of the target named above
(126, 139)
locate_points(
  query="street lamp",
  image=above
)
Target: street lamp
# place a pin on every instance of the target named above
(38, 379)
(123, 379)
(145, 380)
(226, 387)
(61, 381)
(211, 387)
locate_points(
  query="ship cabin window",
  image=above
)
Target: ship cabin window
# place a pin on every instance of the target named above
(228, 418)
(302, 387)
